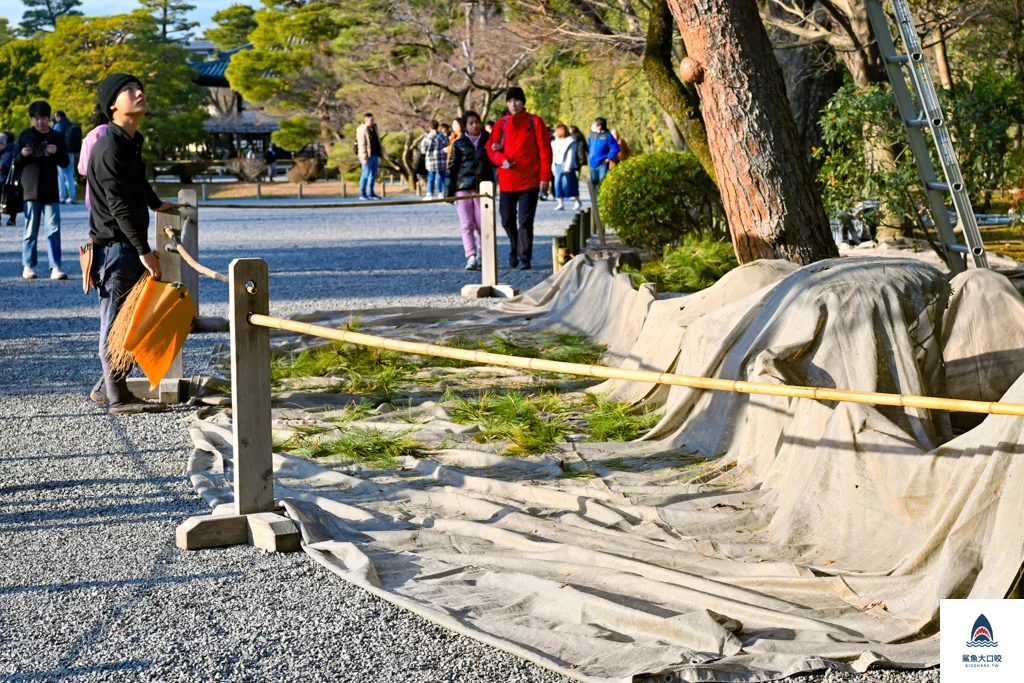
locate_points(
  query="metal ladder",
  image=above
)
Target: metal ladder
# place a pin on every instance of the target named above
(930, 116)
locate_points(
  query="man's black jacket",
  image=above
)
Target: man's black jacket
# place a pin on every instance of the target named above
(119, 192)
(39, 169)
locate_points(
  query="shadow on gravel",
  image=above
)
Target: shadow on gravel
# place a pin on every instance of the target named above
(61, 674)
(80, 585)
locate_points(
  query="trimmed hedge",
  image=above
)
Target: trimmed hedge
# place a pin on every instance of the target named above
(653, 200)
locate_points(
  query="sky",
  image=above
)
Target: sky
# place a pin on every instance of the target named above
(13, 9)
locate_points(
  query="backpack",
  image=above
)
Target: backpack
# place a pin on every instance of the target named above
(74, 139)
(501, 140)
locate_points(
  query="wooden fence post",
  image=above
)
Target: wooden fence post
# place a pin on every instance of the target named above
(488, 249)
(204, 185)
(344, 187)
(300, 190)
(259, 190)
(250, 388)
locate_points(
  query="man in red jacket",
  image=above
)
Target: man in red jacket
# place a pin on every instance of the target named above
(520, 148)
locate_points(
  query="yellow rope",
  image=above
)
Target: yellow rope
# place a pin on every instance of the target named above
(605, 372)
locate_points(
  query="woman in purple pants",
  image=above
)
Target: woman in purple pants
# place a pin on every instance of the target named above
(468, 165)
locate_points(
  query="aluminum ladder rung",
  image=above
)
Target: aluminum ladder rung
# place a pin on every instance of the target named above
(922, 110)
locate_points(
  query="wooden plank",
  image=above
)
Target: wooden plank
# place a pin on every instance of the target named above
(212, 531)
(488, 235)
(274, 533)
(250, 387)
(596, 224)
(170, 269)
(190, 241)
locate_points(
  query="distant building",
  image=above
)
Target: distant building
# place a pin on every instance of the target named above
(234, 129)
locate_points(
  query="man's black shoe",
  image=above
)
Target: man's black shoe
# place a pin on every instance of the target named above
(98, 397)
(513, 260)
(525, 265)
(135, 407)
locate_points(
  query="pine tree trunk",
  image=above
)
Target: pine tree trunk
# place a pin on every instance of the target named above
(771, 202)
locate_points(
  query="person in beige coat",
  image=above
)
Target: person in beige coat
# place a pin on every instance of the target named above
(369, 150)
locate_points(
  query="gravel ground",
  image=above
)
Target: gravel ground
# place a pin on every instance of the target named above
(92, 587)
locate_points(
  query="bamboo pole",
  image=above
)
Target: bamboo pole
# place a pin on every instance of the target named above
(710, 383)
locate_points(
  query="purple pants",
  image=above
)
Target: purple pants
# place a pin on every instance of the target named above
(469, 219)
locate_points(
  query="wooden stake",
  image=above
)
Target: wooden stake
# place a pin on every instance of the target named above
(250, 388)
(488, 235)
(300, 190)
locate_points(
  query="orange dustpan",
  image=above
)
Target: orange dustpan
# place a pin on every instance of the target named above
(159, 327)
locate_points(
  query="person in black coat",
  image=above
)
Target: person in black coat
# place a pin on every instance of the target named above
(7, 152)
(42, 152)
(468, 166)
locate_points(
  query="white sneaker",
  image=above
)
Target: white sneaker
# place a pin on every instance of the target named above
(559, 206)
(29, 273)
(577, 206)
(58, 274)
(472, 263)
(427, 197)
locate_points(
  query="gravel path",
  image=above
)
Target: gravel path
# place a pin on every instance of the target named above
(92, 587)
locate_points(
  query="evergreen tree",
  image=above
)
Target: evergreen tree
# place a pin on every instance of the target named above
(234, 25)
(19, 85)
(6, 35)
(42, 15)
(171, 17)
(82, 50)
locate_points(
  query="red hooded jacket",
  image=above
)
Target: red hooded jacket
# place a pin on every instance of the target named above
(527, 145)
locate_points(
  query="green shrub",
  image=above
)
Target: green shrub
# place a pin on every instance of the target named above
(653, 200)
(696, 264)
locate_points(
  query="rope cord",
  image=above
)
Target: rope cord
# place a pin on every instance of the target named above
(605, 372)
(187, 257)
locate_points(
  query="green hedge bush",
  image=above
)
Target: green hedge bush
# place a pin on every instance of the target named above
(653, 200)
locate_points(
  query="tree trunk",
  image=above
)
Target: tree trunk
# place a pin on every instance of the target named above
(680, 103)
(942, 59)
(770, 199)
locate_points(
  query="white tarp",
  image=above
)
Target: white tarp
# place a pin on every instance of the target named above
(745, 537)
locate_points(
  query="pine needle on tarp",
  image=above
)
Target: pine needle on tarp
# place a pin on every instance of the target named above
(122, 361)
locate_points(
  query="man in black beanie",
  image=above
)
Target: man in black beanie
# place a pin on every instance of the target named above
(520, 149)
(119, 222)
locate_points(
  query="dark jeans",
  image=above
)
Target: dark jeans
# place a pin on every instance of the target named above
(115, 270)
(524, 204)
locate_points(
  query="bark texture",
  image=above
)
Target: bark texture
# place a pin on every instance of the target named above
(771, 201)
(668, 89)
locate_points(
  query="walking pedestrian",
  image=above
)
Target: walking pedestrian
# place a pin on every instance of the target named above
(432, 146)
(41, 153)
(8, 149)
(468, 166)
(119, 223)
(270, 159)
(520, 147)
(456, 133)
(582, 150)
(624, 151)
(99, 122)
(565, 167)
(369, 150)
(72, 133)
(603, 149)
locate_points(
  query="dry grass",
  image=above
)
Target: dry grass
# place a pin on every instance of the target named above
(121, 360)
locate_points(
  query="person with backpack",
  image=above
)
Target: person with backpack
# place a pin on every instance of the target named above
(72, 133)
(520, 148)
(41, 152)
(468, 166)
(603, 150)
(582, 151)
(368, 149)
(433, 147)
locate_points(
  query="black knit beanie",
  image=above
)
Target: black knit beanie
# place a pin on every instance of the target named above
(516, 92)
(110, 87)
